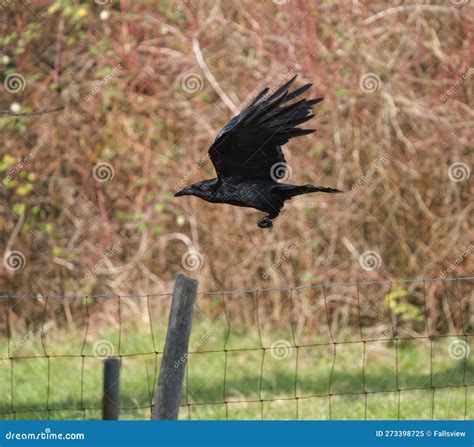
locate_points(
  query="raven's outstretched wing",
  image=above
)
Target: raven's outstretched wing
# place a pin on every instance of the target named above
(250, 143)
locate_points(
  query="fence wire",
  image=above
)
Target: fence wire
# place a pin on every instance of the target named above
(383, 350)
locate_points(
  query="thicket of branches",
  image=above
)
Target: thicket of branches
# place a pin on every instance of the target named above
(146, 87)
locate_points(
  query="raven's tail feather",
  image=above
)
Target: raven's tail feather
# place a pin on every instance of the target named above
(289, 191)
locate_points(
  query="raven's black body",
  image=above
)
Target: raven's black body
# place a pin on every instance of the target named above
(248, 158)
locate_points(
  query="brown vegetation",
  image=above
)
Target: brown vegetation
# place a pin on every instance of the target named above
(146, 87)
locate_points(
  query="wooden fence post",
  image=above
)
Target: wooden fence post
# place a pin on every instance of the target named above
(175, 352)
(111, 394)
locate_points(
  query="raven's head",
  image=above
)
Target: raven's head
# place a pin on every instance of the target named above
(205, 190)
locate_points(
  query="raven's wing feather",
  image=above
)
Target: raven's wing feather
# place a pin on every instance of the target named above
(249, 145)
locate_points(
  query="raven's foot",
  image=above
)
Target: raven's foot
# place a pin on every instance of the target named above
(265, 222)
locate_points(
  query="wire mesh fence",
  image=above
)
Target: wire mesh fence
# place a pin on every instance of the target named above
(375, 350)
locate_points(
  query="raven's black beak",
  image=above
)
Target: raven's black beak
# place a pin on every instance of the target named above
(184, 192)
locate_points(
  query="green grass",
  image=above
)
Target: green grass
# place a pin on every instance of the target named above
(251, 380)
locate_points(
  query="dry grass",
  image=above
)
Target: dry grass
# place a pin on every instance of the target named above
(404, 136)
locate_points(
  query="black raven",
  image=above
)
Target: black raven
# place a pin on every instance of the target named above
(248, 158)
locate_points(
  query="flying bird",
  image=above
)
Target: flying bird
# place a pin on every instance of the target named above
(248, 158)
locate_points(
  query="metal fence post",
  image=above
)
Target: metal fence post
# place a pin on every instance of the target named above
(111, 394)
(175, 352)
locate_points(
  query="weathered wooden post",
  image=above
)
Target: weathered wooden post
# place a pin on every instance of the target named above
(111, 393)
(175, 352)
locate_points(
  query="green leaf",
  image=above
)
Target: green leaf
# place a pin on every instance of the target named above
(159, 207)
(24, 190)
(19, 208)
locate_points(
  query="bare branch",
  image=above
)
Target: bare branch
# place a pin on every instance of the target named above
(39, 112)
(212, 80)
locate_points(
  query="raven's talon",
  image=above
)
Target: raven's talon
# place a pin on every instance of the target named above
(265, 223)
